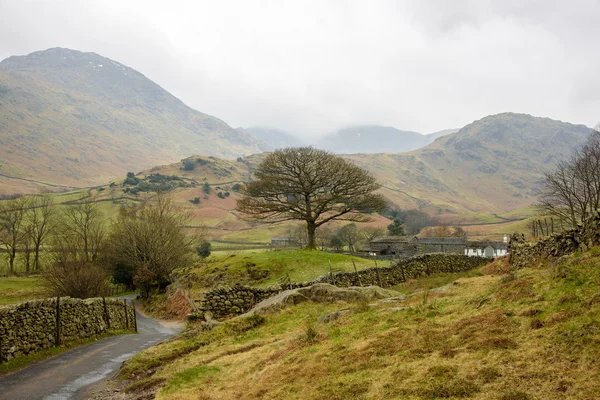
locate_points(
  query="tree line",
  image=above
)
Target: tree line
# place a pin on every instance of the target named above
(85, 252)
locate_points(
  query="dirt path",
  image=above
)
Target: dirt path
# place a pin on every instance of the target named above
(67, 376)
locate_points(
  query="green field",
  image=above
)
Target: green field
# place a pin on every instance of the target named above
(16, 290)
(267, 267)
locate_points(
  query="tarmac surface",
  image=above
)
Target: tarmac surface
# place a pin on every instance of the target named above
(68, 375)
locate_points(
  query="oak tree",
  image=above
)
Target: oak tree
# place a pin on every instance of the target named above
(311, 185)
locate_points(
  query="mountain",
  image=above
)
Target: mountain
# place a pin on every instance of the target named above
(493, 165)
(373, 139)
(79, 118)
(273, 138)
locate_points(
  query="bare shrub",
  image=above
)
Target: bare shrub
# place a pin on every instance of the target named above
(79, 279)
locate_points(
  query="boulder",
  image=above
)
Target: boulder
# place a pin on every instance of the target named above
(320, 293)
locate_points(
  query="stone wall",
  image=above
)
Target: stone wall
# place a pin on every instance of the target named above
(557, 245)
(31, 326)
(225, 301)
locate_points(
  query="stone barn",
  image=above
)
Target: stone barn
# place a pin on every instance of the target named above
(410, 246)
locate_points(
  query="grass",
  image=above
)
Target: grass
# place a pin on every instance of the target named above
(19, 363)
(19, 289)
(266, 268)
(474, 340)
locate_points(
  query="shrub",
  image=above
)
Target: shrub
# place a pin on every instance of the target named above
(220, 195)
(196, 200)
(203, 250)
(189, 165)
(206, 188)
(236, 187)
(78, 279)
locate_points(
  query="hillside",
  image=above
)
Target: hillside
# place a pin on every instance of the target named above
(273, 138)
(373, 139)
(74, 118)
(490, 166)
(526, 335)
(472, 177)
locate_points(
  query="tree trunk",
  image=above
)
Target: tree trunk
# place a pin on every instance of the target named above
(310, 229)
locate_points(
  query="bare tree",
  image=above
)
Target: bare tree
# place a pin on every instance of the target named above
(349, 235)
(148, 242)
(81, 231)
(12, 227)
(572, 190)
(309, 185)
(41, 218)
(323, 237)
(369, 233)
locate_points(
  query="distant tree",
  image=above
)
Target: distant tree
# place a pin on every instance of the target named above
(195, 200)
(131, 179)
(13, 227)
(80, 233)
(309, 185)
(323, 237)
(203, 250)
(444, 230)
(369, 233)
(189, 165)
(236, 187)
(220, 195)
(41, 220)
(206, 188)
(337, 243)
(349, 235)
(395, 228)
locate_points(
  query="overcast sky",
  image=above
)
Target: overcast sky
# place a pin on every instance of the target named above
(310, 67)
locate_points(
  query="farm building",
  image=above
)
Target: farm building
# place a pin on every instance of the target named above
(410, 246)
(404, 246)
(486, 249)
(283, 242)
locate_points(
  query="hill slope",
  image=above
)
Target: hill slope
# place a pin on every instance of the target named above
(492, 165)
(532, 334)
(372, 139)
(79, 118)
(273, 138)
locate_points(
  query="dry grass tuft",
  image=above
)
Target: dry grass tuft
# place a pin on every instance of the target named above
(499, 266)
(515, 290)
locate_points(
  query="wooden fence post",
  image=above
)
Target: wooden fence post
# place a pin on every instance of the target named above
(356, 272)
(57, 339)
(126, 313)
(106, 314)
(134, 316)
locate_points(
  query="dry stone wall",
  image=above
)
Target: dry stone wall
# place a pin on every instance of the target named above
(557, 245)
(29, 327)
(227, 301)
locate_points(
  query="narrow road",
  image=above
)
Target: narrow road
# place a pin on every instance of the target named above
(67, 375)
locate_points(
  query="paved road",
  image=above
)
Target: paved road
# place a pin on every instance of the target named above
(68, 375)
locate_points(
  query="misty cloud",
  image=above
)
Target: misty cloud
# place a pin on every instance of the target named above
(310, 67)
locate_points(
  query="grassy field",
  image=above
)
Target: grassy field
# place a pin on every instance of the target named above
(533, 334)
(16, 290)
(263, 268)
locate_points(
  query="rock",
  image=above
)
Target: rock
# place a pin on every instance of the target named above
(320, 293)
(334, 315)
